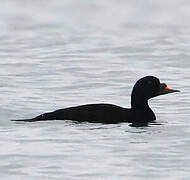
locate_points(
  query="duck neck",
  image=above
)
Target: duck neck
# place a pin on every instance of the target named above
(139, 103)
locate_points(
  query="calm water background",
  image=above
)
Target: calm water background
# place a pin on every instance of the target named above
(63, 53)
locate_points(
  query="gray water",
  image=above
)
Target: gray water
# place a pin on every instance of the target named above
(65, 53)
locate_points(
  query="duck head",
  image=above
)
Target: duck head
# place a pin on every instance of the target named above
(147, 88)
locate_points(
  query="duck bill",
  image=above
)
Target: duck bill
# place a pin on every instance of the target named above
(164, 89)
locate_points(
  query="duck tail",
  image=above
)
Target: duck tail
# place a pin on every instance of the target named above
(42, 117)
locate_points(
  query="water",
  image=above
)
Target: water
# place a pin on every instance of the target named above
(65, 53)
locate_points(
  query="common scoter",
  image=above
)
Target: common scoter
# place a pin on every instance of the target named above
(140, 112)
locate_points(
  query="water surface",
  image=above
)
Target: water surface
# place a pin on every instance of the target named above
(59, 54)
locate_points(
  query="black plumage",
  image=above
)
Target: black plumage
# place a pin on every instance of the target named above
(140, 112)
